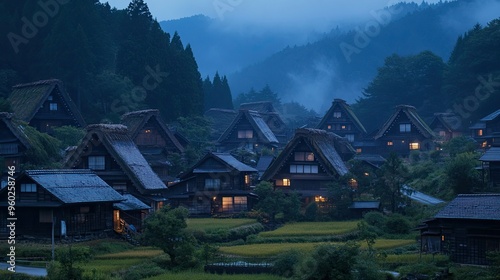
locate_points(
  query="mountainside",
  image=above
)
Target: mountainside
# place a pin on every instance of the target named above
(343, 63)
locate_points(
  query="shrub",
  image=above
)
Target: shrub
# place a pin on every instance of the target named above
(284, 264)
(375, 218)
(311, 212)
(397, 224)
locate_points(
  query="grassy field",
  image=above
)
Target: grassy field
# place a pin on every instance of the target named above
(312, 228)
(205, 276)
(272, 249)
(210, 224)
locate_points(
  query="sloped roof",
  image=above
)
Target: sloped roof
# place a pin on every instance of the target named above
(135, 122)
(74, 185)
(227, 160)
(15, 128)
(491, 116)
(124, 151)
(420, 196)
(220, 119)
(373, 159)
(492, 154)
(414, 118)
(26, 99)
(264, 163)
(258, 124)
(131, 203)
(327, 147)
(472, 206)
(448, 120)
(260, 106)
(342, 104)
(234, 163)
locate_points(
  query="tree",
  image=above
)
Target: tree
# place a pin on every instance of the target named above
(270, 201)
(458, 145)
(462, 174)
(393, 175)
(166, 229)
(331, 262)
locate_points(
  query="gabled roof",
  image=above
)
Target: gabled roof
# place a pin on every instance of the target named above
(472, 206)
(15, 128)
(340, 103)
(492, 154)
(26, 99)
(258, 124)
(491, 116)
(135, 122)
(260, 106)
(327, 147)
(264, 163)
(414, 118)
(447, 120)
(74, 185)
(131, 203)
(124, 151)
(221, 119)
(226, 160)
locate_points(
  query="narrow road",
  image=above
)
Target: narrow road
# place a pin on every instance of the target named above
(33, 271)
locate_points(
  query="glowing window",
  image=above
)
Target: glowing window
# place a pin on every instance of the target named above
(329, 126)
(304, 156)
(245, 134)
(390, 143)
(247, 179)
(414, 146)
(286, 182)
(359, 150)
(319, 198)
(479, 132)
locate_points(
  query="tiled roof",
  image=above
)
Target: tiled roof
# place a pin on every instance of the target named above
(491, 116)
(74, 186)
(492, 154)
(472, 206)
(234, 163)
(131, 203)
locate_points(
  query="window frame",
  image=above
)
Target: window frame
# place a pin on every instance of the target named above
(94, 164)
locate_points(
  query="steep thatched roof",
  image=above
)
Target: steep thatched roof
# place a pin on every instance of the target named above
(330, 149)
(447, 120)
(26, 99)
(342, 105)
(218, 163)
(117, 142)
(264, 133)
(15, 128)
(414, 118)
(220, 120)
(135, 122)
(260, 106)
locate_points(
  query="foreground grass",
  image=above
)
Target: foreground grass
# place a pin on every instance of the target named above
(312, 228)
(207, 276)
(210, 224)
(108, 263)
(272, 249)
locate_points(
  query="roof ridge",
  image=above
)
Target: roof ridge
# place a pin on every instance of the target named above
(38, 83)
(59, 171)
(478, 194)
(113, 128)
(139, 113)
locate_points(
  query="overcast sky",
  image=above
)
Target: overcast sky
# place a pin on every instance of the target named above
(317, 14)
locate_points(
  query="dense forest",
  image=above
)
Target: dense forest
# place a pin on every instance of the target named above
(111, 61)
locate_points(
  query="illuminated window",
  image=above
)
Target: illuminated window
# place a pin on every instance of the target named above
(247, 179)
(404, 127)
(484, 144)
(367, 174)
(303, 156)
(358, 151)
(212, 184)
(147, 131)
(97, 162)
(479, 132)
(343, 127)
(329, 126)
(389, 143)
(442, 133)
(28, 187)
(337, 115)
(350, 137)
(53, 106)
(414, 146)
(234, 204)
(245, 134)
(319, 198)
(227, 204)
(353, 183)
(301, 168)
(286, 182)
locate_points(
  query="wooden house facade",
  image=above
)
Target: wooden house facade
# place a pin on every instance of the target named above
(445, 126)
(466, 229)
(248, 131)
(341, 120)
(309, 163)
(218, 184)
(78, 201)
(44, 105)
(486, 130)
(491, 165)
(405, 131)
(154, 139)
(112, 155)
(13, 142)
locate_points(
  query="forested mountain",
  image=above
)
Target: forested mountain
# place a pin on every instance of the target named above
(342, 64)
(111, 61)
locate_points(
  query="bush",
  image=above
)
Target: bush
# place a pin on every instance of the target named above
(284, 264)
(311, 212)
(376, 219)
(397, 224)
(141, 271)
(319, 264)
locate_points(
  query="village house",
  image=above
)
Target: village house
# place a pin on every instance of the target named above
(272, 118)
(220, 120)
(44, 105)
(13, 142)
(154, 139)
(486, 129)
(405, 131)
(109, 151)
(77, 201)
(309, 163)
(248, 131)
(218, 184)
(341, 120)
(445, 126)
(491, 164)
(466, 229)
